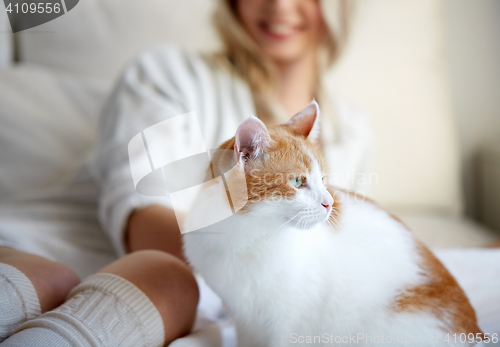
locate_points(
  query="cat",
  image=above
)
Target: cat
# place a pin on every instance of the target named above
(305, 263)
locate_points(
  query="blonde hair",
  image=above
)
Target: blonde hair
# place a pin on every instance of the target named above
(249, 63)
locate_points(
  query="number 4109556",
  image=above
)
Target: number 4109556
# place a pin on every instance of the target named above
(471, 338)
(46, 7)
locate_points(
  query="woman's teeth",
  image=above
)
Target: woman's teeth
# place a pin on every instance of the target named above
(280, 29)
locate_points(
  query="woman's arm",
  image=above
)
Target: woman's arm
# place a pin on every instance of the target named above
(156, 87)
(154, 227)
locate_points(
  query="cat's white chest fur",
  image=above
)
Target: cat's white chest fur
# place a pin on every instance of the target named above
(291, 286)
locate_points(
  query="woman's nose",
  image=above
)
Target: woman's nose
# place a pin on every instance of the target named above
(281, 6)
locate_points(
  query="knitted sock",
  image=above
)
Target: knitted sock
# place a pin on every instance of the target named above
(18, 300)
(104, 310)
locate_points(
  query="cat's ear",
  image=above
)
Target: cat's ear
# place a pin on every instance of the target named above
(307, 122)
(251, 139)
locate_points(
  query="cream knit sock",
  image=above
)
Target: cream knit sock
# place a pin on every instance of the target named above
(104, 310)
(18, 300)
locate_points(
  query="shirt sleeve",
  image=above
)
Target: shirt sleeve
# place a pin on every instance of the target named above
(160, 84)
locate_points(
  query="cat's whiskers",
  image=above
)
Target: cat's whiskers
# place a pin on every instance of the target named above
(300, 221)
(330, 223)
(297, 241)
(301, 247)
(282, 225)
(332, 220)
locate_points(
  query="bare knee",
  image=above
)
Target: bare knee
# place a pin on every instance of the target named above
(51, 280)
(168, 283)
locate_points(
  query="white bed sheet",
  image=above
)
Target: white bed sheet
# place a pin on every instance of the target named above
(438, 230)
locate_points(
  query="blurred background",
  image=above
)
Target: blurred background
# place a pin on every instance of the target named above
(425, 71)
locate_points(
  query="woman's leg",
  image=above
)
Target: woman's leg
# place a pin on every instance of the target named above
(30, 285)
(147, 298)
(167, 281)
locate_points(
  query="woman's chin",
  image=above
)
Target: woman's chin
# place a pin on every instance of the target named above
(284, 55)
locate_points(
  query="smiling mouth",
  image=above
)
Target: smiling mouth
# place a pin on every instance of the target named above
(279, 30)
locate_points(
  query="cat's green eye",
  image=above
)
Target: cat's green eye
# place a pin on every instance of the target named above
(296, 181)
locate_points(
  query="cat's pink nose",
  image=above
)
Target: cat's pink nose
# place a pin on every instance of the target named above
(327, 202)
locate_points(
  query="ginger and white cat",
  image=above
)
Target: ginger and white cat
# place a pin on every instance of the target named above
(307, 264)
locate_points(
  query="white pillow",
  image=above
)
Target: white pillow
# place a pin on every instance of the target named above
(98, 37)
(395, 68)
(5, 39)
(48, 125)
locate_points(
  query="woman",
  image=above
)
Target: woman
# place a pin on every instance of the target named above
(275, 54)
